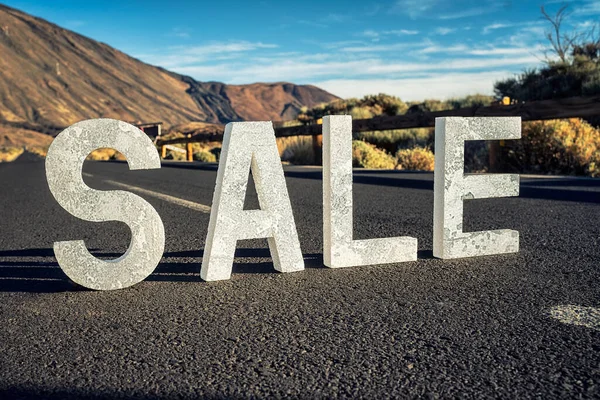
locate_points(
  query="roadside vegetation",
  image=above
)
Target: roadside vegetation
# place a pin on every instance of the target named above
(571, 68)
(105, 155)
(565, 147)
(8, 154)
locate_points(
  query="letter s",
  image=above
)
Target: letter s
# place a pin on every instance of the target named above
(64, 164)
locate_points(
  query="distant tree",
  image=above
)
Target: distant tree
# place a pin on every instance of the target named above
(367, 107)
(562, 43)
(572, 66)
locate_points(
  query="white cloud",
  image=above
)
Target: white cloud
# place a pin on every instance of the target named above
(337, 45)
(400, 32)
(177, 56)
(450, 65)
(444, 31)
(312, 23)
(471, 12)
(378, 48)
(300, 70)
(586, 24)
(375, 36)
(224, 47)
(372, 10)
(441, 86)
(506, 51)
(413, 8)
(336, 18)
(526, 35)
(370, 34)
(492, 27)
(434, 48)
(179, 32)
(591, 7)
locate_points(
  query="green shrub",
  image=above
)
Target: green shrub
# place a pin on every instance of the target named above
(216, 151)
(393, 140)
(415, 159)
(361, 113)
(204, 156)
(367, 107)
(365, 155)
(175, 155)
(477, 156)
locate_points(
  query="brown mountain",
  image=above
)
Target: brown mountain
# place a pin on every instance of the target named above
(51, 77)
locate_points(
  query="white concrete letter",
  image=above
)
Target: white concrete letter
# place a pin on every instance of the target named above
(339, 248)
(452, 187)
(64, 165)
(250, 146)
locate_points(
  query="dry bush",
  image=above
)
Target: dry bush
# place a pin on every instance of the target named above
(477, 156)
(8, 154)
(205, 156)
(296, 150)
(41, 151)
(175, 155)
(203, 146)
(212, 148)
(105, 154)
(415, 159)
(394, 140)
(556, 147)
(366, 155)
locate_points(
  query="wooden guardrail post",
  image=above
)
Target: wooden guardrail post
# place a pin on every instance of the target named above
(163, 151)
(494, 156)
(317, 144)
(189, 150)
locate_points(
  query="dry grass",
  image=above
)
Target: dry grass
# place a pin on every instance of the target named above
(17, 137)
(8, 154)
(105, 154)
(200, 151)
(38, 150)
(296, 150)
(205, 156)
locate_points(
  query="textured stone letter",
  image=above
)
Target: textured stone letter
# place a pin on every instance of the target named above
(64, 165)
(250, 146)
(339, 248)
(452, 187)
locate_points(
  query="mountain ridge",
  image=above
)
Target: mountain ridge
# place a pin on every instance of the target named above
(51, 77)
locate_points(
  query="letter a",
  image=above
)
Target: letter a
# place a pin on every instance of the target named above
(452, 187)
(250, 146)
(339, 248)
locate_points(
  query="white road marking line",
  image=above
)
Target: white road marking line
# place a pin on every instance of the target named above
(577, 315)
(174, 200)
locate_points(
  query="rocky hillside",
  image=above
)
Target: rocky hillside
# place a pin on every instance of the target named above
(51, 77)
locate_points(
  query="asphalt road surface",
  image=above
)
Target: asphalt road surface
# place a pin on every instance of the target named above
(524, 325)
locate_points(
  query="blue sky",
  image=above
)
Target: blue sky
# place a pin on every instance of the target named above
(413, 49)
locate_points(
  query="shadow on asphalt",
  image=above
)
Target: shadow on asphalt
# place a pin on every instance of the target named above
(530, 189)
(543, 189)
(45, 276)
(30, 392)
